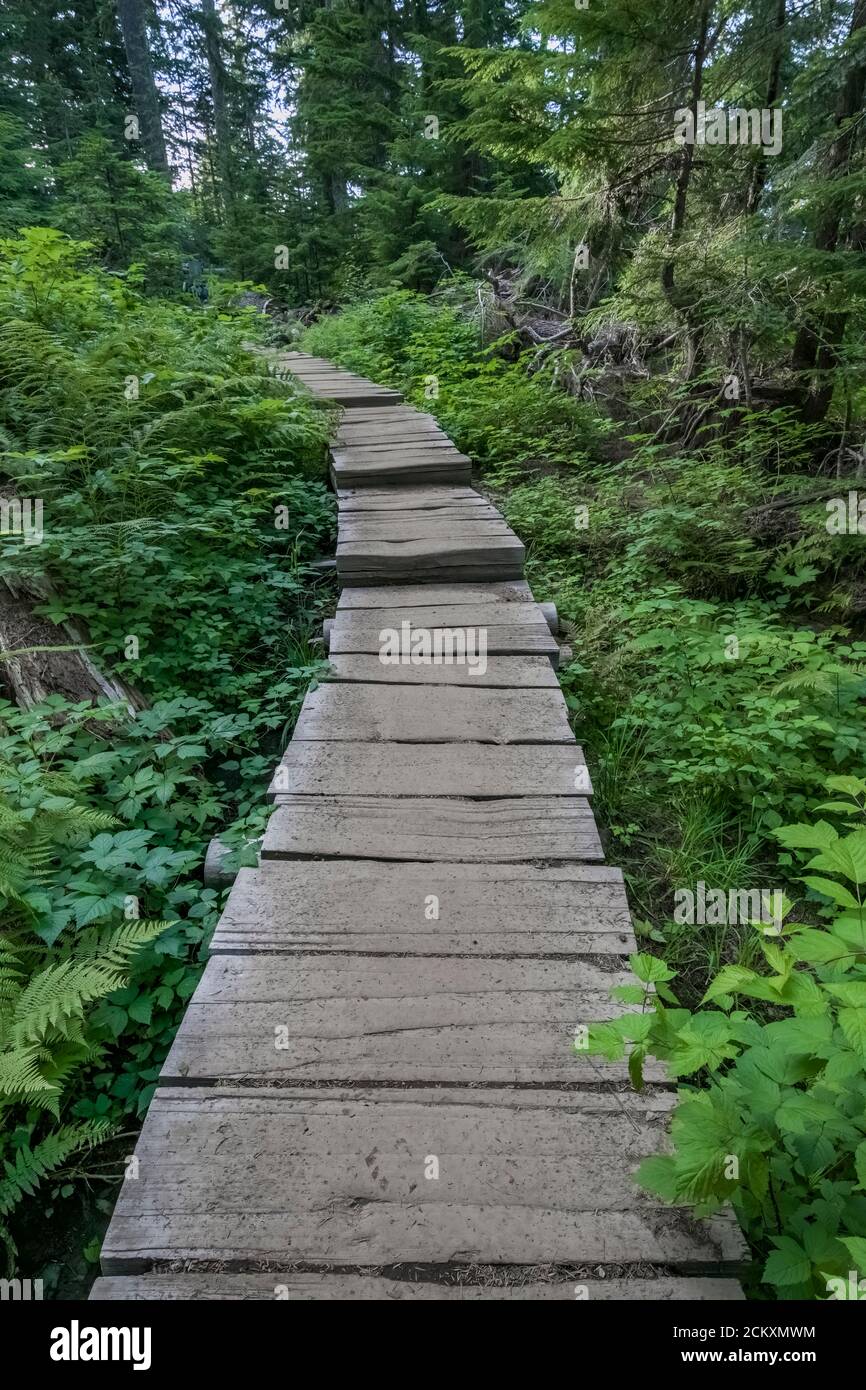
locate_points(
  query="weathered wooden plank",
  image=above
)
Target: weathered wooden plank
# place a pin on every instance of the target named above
(440, 615)
(373, 460)
(501, 672)
(503, 554)
(349, 396)
(397, 530)
(431, 769)
(334, 1019)
(398, 523)
(393, 498)
(452, 511)
(505, 830)
(417, 714)
(377, 413)
(427, 516)
(402, 470)
(418, 448)
(516, 639)
(428, 595)
(398, 434)
(306, 1177)
(353, 1288)
(501, 549)
(373, 906)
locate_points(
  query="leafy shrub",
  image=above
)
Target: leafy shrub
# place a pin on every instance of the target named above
(434, 354)
(183, 503)
(779, 1127)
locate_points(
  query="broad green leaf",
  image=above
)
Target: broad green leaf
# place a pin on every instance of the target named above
(658, 1174)
(649, 968)
(731, 979)
(788, 1264)
(852, 786)
(856, 1247)
(853, 1025)
(819, 836)
(836, 892)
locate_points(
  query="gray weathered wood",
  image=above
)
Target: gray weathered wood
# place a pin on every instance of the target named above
(374, 414)
(440, 615)
(515, 639)
(417, 714)
(447, 468)
(307, 1177)
(393, 498)
(426, 516)
(419, 447)
(374, 906)
(493, 557)
(431, 769)
(506, 830)
(391, 434)
(428, 595)
(399, 530)
(335, 1018)
(502, 672)
(345, 1288)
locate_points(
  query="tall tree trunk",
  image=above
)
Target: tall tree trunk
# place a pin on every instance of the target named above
(681, 194)
(818, 342)
(759, 169)
(134, 29)
(216, 70)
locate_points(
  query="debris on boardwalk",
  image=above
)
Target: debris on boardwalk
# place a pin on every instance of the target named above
(375, 1076)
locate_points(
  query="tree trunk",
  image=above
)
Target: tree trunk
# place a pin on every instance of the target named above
(759, 169)
(217, 73)
(134, 29)
(681, 193)
(818, 342)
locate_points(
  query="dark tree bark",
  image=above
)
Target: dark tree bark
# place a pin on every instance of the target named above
(134, 29)
(817, 345)
(759, 170)
(681, 194)
(216, 71)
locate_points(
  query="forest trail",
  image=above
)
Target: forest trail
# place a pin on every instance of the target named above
(373, 1093)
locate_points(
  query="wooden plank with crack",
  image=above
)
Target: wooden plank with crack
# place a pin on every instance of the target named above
(501, 672)
(339, 1179)
(506, 830)
(418, 714)
(375, 906)
(481, 770)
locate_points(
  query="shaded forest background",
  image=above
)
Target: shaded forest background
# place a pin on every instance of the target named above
(324, 150)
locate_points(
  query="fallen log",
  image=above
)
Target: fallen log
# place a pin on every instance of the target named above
(39, 658)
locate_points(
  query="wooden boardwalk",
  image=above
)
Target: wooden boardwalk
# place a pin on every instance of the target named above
(373, 1093)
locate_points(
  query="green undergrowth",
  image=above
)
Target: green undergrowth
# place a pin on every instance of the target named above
(183, 501)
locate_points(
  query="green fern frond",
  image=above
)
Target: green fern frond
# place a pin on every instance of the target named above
(32, 1165)
(56, 994)
(115, 947)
